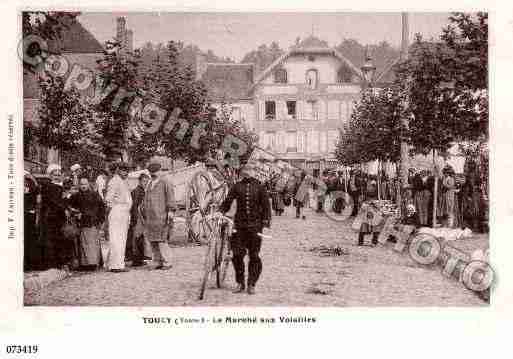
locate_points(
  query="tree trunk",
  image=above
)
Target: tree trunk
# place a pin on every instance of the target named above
(435, 190)
(345, 179)
(378, 180)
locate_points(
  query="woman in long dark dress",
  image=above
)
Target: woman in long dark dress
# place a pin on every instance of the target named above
(32, 250)
(57, 251)
(90, 206)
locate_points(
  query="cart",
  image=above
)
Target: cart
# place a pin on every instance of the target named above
(198, 193)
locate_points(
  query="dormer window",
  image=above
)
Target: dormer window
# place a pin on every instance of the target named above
(280, 76)
(344, 74)
(311, 79)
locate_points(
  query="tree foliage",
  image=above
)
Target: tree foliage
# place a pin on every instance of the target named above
(65, 121)
(446, 83)
(175, 87)
(263, 56)
(374, 130)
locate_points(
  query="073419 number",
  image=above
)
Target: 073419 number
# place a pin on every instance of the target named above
(19, 349)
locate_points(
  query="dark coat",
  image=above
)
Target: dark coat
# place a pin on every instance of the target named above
(253, 207)
(52, 204)
(137, 199)
(90, 205)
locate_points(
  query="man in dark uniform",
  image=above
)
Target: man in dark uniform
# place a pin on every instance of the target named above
(253, 213)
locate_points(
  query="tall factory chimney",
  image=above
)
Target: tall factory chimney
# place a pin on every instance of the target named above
(121, 31)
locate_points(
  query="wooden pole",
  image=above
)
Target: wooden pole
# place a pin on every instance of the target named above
(435, 190)
(378, 180)
(403, 170)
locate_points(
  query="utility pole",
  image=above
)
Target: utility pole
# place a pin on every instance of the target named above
(403, 170)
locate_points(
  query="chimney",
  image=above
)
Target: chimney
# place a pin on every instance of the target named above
(121, 30)
(405, 36)
(201, 66)
(130, 41)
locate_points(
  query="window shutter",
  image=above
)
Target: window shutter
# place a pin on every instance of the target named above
(281, 110)
(262, 139)
(322, 110)
(261, 106)
(322, 141)
(314, 141)
(281, 142)
(333, 110)
(300, 110)
(343, 111)
(300, 141)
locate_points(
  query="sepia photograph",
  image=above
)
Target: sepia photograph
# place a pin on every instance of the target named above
(255, 159)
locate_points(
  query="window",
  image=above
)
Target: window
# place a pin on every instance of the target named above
(344, 74)
(291, 109)
(312, 112)
(311, 79)
(270, 110)
(280, 76)
(291, 141)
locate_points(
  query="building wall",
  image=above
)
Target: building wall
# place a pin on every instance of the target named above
(243, 110)
(315, 135)
(327, 67)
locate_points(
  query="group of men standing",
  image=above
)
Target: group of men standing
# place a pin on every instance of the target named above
(146, 213)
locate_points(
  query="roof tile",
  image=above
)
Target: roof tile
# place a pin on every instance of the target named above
(228, 81)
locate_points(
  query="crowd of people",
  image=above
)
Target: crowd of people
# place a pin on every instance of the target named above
(460, 203)
(67, 216)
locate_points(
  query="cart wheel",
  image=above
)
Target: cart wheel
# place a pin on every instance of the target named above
(195, 197)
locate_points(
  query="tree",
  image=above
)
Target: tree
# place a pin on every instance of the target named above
(438, 117)
(117, 75)
(263, 56)
(374, 130)
(48, 25)
(65, 121)
(175, 87)
(466, 40)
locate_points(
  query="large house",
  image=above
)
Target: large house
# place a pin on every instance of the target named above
(297, 105)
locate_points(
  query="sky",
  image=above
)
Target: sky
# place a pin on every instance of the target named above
(235, 34)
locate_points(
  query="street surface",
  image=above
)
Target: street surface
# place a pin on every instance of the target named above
(293, 275)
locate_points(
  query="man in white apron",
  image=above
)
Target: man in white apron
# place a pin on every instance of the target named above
(119, 202)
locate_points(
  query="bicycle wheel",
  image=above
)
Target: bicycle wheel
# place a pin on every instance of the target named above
(207, 268)
(223, 259)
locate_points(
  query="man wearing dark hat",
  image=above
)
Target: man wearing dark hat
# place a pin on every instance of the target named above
(253, 213)
(158, 212)
(119, 202)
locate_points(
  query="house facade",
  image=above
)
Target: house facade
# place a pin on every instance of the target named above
(296, 106)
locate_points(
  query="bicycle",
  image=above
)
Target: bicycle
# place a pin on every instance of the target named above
(218, 255)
